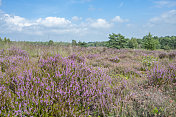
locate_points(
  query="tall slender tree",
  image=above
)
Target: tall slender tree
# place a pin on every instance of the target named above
(149, 42)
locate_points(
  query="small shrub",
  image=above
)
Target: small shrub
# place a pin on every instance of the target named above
(92, 56)
(155, 110)
(162, 75)
(115, 59)
(172, 55)
(77, 58)
(16, 52)
(162, 55)
(148, 62)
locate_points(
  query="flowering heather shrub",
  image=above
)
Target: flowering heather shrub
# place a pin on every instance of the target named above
(47, 84)
(82, 86)
(1, 52)
(172, 55)
(123, 56)
(55, 86)
(162, 75)
(162, 55)
(12, 58)
(10, 63)
(77, 58)
(148, 62)
(169, 55)
(16, 52)
(125, 72)
(115, 59)
(92, 56)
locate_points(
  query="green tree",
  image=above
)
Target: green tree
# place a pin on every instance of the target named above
(133, 43)
(168, 41)
(50, 42)
(74, 43)
(8, 40)
(156, 39)
(117, 41)
(5, 39)
(149, 42)
(82, 44)
(165, 41)
(140, 43)
(166, 47)
(173, 42)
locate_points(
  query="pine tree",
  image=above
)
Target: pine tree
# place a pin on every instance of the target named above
(117, 41)
(149, 42)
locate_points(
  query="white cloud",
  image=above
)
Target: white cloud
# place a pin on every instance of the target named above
(100, 23)
(15, 23)
(58, 28)
(119, 19)
(53, 22)
(40, 26)
(16, 20)
(167, 17)
(76, 18)
(165, 3)
(162, 25)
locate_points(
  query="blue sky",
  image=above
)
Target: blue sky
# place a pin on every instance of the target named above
(85, 20)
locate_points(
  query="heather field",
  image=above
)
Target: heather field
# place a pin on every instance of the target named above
(72, 81)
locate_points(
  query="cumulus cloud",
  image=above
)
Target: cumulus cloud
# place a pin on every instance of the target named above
(47, 22)
(53, 22)
(56, 24)
(163, 24)
(101, 23)
(119, 19)
(15, 23)
(41, 26)
(58, 27)
(165, 3)
(167, 17)
(16, 20)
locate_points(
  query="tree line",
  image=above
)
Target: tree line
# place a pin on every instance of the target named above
(4, 40)
(147, 42)
(119, 41)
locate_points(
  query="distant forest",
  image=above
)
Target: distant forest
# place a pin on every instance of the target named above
(117, 41)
